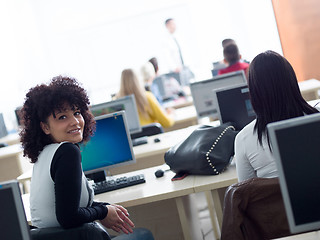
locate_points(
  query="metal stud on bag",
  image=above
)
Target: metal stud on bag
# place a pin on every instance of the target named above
(213, 145)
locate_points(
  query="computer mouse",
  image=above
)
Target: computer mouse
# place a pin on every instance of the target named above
(159, 173)
(3, 145)
(156, 140)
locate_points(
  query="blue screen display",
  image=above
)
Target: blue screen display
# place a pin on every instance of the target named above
(108, 146)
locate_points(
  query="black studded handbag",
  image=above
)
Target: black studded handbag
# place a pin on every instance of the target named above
(207, 151)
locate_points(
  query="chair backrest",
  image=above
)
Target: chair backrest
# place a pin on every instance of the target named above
(254, 209)
(149, 130)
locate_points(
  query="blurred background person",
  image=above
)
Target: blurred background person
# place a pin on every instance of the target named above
(232, 58)
(149, 109)
(174, 61)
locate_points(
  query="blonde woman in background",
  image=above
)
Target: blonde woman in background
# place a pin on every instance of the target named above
(149, 108)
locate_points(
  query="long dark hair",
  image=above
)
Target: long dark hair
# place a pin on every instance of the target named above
(274, 91)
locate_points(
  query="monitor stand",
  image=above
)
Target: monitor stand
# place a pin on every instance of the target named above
(97, 176)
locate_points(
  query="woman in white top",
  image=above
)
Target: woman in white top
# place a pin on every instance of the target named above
(275, 96)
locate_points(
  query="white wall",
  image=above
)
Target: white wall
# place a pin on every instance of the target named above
(94, 40)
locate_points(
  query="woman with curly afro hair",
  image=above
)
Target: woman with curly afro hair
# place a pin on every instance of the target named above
(55, 118)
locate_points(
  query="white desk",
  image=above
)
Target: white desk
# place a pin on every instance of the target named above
(167, 207)
(11, 139)
(183, 117)
(179, 103)
(303, 236)
(310, 89)
(211, 185)
(161, 205)
(12, 163)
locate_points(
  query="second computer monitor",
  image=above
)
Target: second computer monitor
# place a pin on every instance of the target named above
(295, 147)
(203, 92)
(128, 104)
(110, 146)
(234, 105)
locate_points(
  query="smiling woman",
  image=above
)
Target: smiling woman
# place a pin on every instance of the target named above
(65, 125)
(55, 119)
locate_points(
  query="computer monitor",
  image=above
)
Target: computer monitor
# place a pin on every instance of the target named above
(128, 104)
(234, 105)
(168, 86)
(202, 92)
(109, 147)
(17, 112)
(295, 146)
(13, 220)
(3, 128)
(216, 67)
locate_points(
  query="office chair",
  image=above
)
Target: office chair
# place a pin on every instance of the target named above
(254, 209)
(88, 231)
(148, 130)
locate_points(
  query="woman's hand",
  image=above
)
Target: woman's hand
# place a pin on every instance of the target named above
(118, 219)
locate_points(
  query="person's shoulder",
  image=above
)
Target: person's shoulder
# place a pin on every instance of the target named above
(247, 131)
(243, 64)
(150, 95)
(68, 147)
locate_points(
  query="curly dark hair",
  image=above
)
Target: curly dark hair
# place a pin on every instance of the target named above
(42, 101)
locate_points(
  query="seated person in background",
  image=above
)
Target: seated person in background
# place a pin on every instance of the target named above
(171, 87)
(55, 119)
(233, 58)
(227, 41)
(149, 109)
(148, 75)
(275, 96)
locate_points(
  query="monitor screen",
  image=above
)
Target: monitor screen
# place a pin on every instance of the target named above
(128, 104)
(295, 144)
(203, 92)
(13, 220)
(234, 105)
(110, 146)
(3, 128)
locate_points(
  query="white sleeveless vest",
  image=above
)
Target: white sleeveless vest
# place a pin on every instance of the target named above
(42, 197)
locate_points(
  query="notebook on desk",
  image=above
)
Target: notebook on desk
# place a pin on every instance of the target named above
(13, 220)
(296, 149)
(234, 105)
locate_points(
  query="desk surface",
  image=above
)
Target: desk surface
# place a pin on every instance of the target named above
(10, 139)
(309, 85)
(179, 103)
(185, 113)
(11, 150)
(155, 189)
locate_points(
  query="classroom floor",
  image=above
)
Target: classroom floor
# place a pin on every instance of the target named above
(204, 216)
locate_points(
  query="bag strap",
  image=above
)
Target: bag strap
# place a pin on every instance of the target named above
(213, 146)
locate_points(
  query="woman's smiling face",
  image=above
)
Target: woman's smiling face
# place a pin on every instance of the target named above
(65, 125)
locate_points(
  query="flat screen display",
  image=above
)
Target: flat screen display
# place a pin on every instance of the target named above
(234, 106)
(295, 144)
(128, 104)
(110, 146)
(203, 92)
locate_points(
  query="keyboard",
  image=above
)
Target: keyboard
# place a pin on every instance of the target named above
(117, 183)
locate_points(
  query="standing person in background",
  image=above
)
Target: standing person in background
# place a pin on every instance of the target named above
(55, 119)
(174, 60)
(232, 58)
(149, 108)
